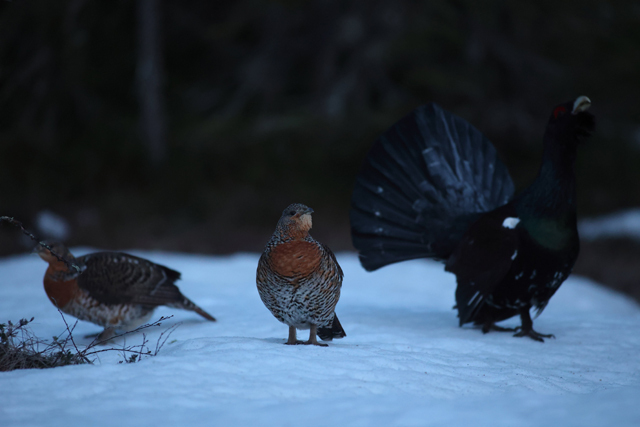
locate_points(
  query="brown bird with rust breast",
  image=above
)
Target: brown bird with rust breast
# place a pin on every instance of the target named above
(115, 290)
(299, 279)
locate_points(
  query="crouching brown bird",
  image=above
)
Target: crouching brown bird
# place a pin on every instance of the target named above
(432, 186)
(299, 279)
(115, 290)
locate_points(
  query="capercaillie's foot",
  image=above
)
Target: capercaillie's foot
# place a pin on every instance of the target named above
(313, 340)
(526, 330)
(533, 334)
(293, 340)
(490, 326)
(105, 336)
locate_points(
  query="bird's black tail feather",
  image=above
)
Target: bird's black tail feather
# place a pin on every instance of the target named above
(421, 185)
(335, 331)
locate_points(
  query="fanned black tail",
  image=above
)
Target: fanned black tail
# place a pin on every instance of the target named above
(424, 181)
(335, 331)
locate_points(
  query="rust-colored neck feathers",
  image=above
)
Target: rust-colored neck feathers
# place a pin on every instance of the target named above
(292, 251)
(60, 284)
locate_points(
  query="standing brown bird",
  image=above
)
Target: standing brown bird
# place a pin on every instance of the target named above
(113, 289)
(299, 279)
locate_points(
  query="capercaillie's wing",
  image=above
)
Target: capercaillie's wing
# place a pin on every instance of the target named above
(331, 263)
(119, 278)
(268, 283)
(480, 262)
(335, 277)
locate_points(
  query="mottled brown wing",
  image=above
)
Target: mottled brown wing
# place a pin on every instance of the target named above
(334, 276)
(119, 278)
(330, 277)
(332, 262)
(267, 282)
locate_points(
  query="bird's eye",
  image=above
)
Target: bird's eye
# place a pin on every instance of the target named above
(558, 112)
(292, 213)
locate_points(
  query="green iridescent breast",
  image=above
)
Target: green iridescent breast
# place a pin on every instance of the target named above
(552, 233)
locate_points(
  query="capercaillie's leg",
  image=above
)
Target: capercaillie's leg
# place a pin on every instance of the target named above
(312, 337)
(526, 330)
(293, 340)
(106, 335)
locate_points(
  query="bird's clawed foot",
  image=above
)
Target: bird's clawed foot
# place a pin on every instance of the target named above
(312, 338)
(293, 340)
(299, 342)
(490, 326)
(315, 342)
(526, 330)
(532, 334)
(104, 337)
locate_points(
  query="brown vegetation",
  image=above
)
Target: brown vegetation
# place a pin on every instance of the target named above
(20, 348)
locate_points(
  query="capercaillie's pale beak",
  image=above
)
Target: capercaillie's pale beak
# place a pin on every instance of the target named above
(582, 103)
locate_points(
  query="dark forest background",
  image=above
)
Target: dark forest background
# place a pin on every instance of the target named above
(190, 126)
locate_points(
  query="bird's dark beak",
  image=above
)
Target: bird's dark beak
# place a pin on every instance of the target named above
(308, 211)
(582, 103)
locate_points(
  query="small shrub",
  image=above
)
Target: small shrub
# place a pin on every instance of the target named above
(20, 348)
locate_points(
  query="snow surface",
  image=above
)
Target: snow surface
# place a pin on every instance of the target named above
(618, 224)
(404, 361)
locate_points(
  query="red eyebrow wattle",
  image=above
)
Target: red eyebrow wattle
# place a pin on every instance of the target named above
(559, 110)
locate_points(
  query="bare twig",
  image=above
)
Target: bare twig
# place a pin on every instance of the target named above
(70, 335)
(133, 331)
(169, 331)
(19, 225)
(137, 350)
(143, 346)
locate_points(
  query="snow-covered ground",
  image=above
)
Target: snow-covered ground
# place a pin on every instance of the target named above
(618, 224)
(404, 361)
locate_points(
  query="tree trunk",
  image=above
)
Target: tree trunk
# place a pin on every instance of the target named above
(149, 78)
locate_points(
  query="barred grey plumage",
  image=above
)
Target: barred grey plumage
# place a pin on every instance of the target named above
(299, 278)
